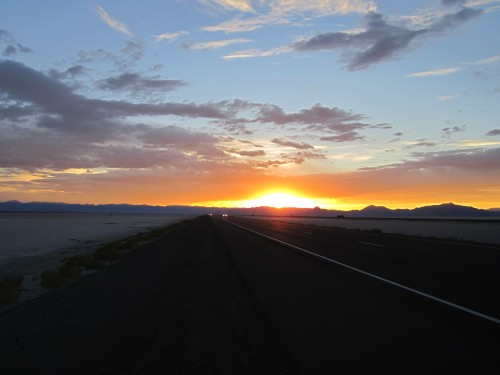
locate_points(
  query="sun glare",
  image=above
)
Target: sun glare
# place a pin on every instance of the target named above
(280, 200)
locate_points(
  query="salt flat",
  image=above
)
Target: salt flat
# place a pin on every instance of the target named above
(483, 231)
(31, 243)
(28, 234)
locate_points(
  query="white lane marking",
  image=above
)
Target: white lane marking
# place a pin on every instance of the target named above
(407, 288)
(307, 232)
(371, 244)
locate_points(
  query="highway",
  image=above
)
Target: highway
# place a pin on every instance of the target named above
(219, 296)
(433, 306)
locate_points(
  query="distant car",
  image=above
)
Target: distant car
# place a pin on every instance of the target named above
(224, 215)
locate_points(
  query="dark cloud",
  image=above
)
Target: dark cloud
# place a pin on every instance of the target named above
(62, 129)
(131, 53)
(317, 118)
(301, 156)
(449, 131)
(71, 72)
(176, 137)
(250, 153)
(381, 126)
(138, 84)
(344, 137)
(422, 143)
(472, 159)
(51, 97)
(493, 132)
(13, 47)
(380, 41)
(300, 146)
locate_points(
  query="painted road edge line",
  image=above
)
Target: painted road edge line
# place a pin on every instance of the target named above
(371, 244)
(393, 283)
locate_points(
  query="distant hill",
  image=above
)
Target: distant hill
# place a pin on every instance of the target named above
(446, 210)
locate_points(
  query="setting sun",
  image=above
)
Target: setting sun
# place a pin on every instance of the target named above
(279, 200)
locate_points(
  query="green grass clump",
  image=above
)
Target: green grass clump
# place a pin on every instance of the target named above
(52, 279)
(88, 262)
(111, 251)
(9, 289)
(70, 272)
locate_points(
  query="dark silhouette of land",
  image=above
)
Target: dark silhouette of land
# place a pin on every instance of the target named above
(446, 210)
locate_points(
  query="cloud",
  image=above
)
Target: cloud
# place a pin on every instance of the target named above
(343, 137)
(435, 72)
(239, 24)
(137, 83)
(474, 3)
(300, 146)
(282, 12)
(250, 153)
(13, 47)
(170, 37)
(326, 7)
(493, 132)
(215, 44)
(419, 143)
(239, 5)
(380, 41)
(302, 156)
(131, 53)
(447, 132)
(23, 84)
(112, 22)
(489, 60)
(316, 118)
(476, 159)
(251, 53)
(447, 97)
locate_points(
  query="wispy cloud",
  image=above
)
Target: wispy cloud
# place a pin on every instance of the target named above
(489, 60)
(445, 98)
(215, 44)
(297, 145)
(13, 47)
(251, 53)
(239, 5)
(324, 7)
(239, 24)
(170, 36)
(112, 22)
(474, 3)
(280, 12)
(435, 72)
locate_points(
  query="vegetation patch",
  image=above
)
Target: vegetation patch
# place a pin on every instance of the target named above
(110, 252)
(67, 271)
(52, 279)
(9, 289)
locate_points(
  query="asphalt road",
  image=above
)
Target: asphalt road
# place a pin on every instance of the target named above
(212, 298)
(335, 320)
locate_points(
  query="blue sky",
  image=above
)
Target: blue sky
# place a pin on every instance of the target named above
(347, 102)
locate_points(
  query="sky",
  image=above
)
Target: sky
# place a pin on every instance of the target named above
(338, 103)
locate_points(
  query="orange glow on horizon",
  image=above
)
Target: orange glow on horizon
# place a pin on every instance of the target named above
(279, 200)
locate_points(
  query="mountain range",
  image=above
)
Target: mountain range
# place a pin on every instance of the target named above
(446, 210)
